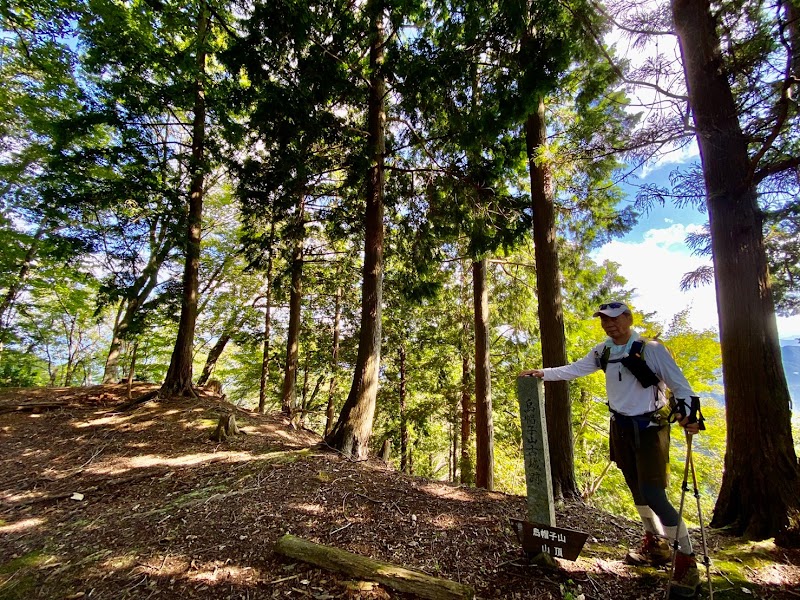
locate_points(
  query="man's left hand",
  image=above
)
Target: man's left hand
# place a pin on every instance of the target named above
(691, 428)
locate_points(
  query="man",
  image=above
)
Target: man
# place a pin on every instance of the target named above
(637, 374)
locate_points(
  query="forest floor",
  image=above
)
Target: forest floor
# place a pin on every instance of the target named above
(96, 502)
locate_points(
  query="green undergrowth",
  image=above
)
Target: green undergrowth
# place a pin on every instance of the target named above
(18, 576)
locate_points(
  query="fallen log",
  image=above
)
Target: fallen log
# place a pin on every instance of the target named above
(33, 407)
(137, 401)
(86, 490)
(398, 578)
(104, 484)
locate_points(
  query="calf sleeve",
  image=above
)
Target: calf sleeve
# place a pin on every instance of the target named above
(674, 527)
(650, 520)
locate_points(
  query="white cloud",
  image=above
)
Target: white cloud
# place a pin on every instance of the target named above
(654, 268)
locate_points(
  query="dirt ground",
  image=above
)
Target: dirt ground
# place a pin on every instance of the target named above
(97, 502)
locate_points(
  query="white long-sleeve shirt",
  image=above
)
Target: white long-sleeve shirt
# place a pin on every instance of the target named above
(625, 394)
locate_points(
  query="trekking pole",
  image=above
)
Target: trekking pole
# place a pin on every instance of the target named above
(706, 560)
(684, 489)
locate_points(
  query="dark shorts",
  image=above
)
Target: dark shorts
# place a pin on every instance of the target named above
(642, 458)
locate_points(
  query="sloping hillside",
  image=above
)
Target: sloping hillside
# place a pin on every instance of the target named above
(97, 502)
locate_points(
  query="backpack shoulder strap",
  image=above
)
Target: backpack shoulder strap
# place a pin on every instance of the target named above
(636, 364)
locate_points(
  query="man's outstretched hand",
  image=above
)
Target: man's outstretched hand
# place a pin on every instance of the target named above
(532, 373)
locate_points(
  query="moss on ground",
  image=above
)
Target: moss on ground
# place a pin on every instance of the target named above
(18, 576)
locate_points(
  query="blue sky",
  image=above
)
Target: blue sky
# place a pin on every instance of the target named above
(654, 256)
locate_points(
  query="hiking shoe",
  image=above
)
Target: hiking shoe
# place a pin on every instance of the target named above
(686, 578)
(654, 551)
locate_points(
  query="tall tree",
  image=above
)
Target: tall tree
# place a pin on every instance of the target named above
(484, 430)
(179, 375)
(760, 495)
(550, 306)
(551, 39)
(454, 92)
(296, 58)
(353, 430)
(288, 393)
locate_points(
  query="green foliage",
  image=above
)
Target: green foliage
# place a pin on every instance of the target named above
(94, 138)
(19, 369)
(697, 353)
(708, 452)
(753, 42)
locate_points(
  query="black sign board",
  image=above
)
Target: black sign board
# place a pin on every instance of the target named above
(537, 538)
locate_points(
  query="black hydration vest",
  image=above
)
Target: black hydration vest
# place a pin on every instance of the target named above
(634, 362)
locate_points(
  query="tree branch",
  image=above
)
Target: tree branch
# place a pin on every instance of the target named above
(775, 168)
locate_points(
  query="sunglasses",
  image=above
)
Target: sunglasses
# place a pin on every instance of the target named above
(611, 305)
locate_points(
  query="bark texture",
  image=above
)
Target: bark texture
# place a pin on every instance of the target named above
(759, 494)
(484, 426)
(178, 380)
(293, 335)
(393, 576)
(353, 430)
(558, 406)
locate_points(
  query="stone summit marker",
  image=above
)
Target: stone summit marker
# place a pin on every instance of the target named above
(539, 535)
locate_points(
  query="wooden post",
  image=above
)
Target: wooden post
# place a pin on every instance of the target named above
(539, 481)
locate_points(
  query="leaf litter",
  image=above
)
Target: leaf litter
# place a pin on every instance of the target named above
(96, 502)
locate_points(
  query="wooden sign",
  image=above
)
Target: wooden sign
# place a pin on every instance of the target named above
(538, 535)
(536, 452)
(538, 538)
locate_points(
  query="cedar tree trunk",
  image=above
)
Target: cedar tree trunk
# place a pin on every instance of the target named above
(484, 428)
(293, 335)
(558, 407)
(353, 430)
(179, 375)
(759, 495)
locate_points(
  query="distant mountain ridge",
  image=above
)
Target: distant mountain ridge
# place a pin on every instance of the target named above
(791, 366)
(790, 353)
